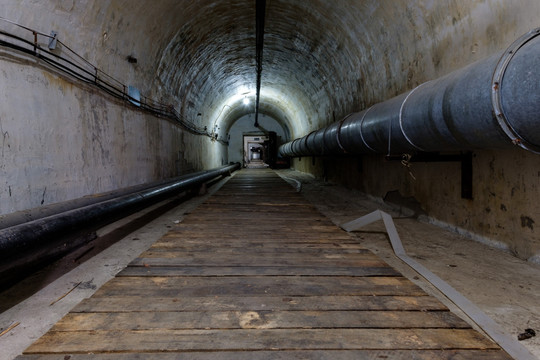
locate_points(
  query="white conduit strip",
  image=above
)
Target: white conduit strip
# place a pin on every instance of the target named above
(505, 341)
(298, 183)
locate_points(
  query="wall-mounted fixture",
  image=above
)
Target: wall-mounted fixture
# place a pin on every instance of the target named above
(53, 40)
(134, 95)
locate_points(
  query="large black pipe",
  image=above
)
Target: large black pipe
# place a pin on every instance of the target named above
(28, 245)
(490, 104)
(23, 216)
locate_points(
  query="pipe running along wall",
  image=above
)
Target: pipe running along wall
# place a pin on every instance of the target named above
(489, 104)
(28, 245)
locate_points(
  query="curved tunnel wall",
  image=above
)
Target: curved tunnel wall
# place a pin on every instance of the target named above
(322, 60)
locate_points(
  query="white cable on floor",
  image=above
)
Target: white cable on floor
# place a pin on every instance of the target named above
(505, 341)
(298, 183)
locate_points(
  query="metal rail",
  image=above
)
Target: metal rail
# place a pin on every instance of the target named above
(81, 69)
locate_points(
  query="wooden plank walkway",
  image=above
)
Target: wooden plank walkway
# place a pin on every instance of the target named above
(256, 272)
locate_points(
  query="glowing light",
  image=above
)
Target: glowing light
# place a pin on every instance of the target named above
(246, 101)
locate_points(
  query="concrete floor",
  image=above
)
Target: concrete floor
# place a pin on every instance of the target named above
(504, 287)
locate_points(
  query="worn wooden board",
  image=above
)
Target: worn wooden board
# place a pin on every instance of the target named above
(172, 271)
(293, 355)
(258, 249)
(256, 272)
(266, 319)
(240, 256)
(258, 303)
(274, 339)
(242, 260)
(200, 245)
(259, 285)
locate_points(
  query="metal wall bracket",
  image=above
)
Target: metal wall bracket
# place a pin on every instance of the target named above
(512, 347)
(464, 158)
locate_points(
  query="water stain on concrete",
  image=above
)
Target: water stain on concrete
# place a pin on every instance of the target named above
(527, 222)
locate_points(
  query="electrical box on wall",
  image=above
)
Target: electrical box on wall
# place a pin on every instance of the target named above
(135, 95)
(52, 40)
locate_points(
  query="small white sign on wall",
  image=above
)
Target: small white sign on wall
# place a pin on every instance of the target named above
(135, 95)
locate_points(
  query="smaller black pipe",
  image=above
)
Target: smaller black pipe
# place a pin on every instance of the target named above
(27, 246)
(23, 216)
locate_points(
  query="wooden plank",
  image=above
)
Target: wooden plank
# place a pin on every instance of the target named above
(221, 254)
(197, 245)
(259, 285)
(258, 303)
(277, 215)
(239, 260)
(248, 209)
(274, 339)
(278, 203)
(268, 319)
(271, 228)
(259, 237)
(293, 355)
(257, 270)
(258, 249)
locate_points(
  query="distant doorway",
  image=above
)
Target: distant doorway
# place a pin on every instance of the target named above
(255, 151)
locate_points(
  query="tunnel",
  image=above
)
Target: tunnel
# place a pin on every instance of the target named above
(428, 109)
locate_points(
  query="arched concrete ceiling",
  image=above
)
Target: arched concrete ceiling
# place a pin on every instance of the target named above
(316, 56)
(322, 59)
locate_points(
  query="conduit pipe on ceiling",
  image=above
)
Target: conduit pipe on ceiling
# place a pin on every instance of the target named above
(490, 104)
(259, 22)
(29, 245)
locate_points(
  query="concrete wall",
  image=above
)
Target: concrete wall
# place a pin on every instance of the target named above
(503, 212)
(61, 140)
